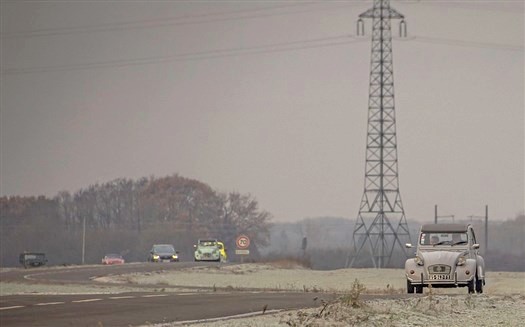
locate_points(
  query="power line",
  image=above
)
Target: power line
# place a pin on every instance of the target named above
(191, 56)
(469, 5)
(168, 21)
(469, 44)
(176, 21)
(254, 50)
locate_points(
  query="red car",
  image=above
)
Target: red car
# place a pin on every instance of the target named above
(112, 259)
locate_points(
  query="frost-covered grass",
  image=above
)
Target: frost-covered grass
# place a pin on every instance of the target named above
(269, 277)
(436, 310)
(503, 302)
(431, 309)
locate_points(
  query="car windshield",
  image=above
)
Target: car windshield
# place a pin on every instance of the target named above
(439, 238)
(163, 248)
(34, 256)
(113, 256)
(207, 243)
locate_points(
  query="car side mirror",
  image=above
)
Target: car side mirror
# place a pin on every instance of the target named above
(475, 246)
(408, 245)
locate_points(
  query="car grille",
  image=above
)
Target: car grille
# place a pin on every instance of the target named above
(439, 272)
(439, 269)
(164, 257)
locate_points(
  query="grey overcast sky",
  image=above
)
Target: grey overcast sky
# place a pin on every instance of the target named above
(268, 98)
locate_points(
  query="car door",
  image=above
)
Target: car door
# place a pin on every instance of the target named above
(473, 253)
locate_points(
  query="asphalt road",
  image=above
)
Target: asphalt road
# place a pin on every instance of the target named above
(132, 309)
(128, 309)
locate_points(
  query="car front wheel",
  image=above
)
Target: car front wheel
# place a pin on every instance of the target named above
(479, 285)
(410, 287)
(471, 286)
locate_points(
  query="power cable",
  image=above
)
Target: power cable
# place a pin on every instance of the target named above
(254, 50)
(168, 21)
(469, 5)
(191, 56)
(172, 21)
(463, 43)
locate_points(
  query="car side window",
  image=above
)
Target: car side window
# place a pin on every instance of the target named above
(424, 239)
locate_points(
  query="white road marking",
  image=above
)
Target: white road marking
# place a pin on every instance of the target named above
(13, 307)
(242, 315)
(160, 295)
(88, 300)
(50, 303)
(121, 297)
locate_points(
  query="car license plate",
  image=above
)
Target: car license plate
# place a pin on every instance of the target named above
(439, 276)
(166, 260)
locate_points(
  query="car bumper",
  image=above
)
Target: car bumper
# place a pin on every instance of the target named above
(165, 260)
(456, 279)
(204, 257)
(208, 259)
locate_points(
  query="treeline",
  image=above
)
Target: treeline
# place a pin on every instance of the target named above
(128, 216)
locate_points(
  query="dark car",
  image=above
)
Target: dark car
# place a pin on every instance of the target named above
(32, 259)
(163, 253)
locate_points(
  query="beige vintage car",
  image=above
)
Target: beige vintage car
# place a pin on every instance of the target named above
(446, 256)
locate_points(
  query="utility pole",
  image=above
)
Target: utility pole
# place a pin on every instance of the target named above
(83, 238)
(445, 216)
(486, 228)
(381, 201)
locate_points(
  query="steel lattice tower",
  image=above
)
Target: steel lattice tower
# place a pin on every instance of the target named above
(381, 202)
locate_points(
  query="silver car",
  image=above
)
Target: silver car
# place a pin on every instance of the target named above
(446, 256)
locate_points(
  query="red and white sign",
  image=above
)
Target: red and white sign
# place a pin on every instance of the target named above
(242, 242)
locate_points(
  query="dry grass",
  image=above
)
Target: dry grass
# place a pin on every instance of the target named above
(289, 263)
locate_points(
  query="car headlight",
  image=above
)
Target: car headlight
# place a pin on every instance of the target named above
(174, 256)
(155, 256)
(419, 261)
(461, 261)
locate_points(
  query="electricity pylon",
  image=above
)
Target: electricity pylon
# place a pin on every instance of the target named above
(381, 202)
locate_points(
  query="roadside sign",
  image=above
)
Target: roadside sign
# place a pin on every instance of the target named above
(242, 242)
(242, 252)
